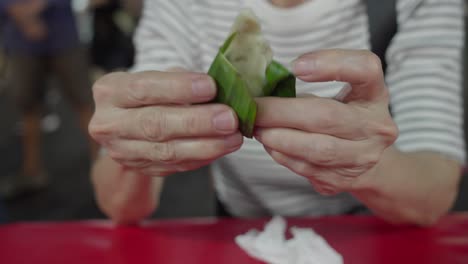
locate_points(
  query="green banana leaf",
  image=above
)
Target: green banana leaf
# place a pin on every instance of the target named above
(233, 90)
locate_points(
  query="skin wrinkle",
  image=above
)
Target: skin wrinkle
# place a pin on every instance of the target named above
(326, 181)
(273, 138)
(338, 118)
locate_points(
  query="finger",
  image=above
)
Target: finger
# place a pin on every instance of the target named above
(162, 123)
(318, 149)
(361, 69)
(152, 88)
(175, 151)
(324, 180)
(177, 69)
(325, 190)
(312, 114)
(171, 169)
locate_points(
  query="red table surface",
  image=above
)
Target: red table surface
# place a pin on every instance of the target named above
(359, 239)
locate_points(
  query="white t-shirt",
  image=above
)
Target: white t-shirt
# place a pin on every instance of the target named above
(423, 76)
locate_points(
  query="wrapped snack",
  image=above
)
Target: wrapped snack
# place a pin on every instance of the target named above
(244, 68)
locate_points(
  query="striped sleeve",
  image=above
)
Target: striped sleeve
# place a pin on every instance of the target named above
(425, 76)
(165, 37)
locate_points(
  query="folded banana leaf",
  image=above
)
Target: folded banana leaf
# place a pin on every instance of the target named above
(238, 86)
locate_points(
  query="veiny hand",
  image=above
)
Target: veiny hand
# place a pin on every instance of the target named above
(335, 144)
(149, 121)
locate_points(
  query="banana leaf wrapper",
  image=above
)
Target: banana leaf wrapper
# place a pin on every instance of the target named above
(232, 90)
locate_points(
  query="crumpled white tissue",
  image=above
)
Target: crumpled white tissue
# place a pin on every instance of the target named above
(271, 246)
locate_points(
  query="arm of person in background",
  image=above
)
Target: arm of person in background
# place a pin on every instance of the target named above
(348, 147)
(4, 4)
(133, 7)
(3, 7)
(26, 15)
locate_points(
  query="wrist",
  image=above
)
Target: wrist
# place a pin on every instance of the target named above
(372, 181)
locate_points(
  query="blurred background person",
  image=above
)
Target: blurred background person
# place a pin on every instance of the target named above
(40, 37)
(3, 217)
(111, 47)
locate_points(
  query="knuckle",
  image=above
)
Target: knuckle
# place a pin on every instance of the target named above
(326, 190)
(386, 130)
(101, 130)
(153, 126)
(281, 159)
(325, 152)
(94, 127)
(390, 132)
(192, 124)
(138, 163)
(104, 87)
(101, 91)
(165, 153)
(116, 155)
(323, 187)
(136, 91)
(369, 159)
(302, 168)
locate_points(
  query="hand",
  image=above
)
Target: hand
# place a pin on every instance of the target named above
(147, 121)
(335, 144)
(34, 30)
(26, 15)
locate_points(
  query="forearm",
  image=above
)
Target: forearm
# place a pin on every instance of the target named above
(123, 195)
(413, 188)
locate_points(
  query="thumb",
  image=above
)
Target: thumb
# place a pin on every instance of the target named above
(361, 69)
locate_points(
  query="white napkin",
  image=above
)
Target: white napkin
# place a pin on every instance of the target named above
(271, 246)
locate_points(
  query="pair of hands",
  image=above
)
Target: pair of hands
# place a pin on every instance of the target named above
(152, 122)
(26, 15)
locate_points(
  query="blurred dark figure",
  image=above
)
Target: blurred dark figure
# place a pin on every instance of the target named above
(112, 45)
(40, 38)
(3, 216)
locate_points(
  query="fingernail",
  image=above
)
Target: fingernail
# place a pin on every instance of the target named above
(232, 141)
(225, 121)
(203, 87)
(303, 67)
